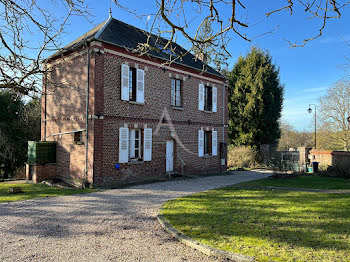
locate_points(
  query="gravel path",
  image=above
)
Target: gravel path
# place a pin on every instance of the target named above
(113, 225)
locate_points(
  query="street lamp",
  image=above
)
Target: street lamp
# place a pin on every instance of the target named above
(310, 111)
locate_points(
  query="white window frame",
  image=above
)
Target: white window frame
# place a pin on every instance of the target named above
(134, 144)
(176, 92)
(132, 85)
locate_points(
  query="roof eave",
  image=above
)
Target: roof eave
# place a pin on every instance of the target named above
(129, 49)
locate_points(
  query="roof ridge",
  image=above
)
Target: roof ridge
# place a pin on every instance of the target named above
(99, 32)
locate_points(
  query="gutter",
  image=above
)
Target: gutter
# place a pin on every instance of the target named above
(166, 60)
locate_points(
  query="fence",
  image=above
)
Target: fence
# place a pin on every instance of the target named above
(295, 160)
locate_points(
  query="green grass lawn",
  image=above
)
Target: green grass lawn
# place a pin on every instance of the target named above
(307, 181)
(36, 191)
(270, 225)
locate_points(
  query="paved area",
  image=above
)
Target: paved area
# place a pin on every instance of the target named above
(113, 225)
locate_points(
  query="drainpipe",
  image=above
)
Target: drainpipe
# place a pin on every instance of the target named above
(45, 99)
(223, 117)
(87, 117)
(223, 113)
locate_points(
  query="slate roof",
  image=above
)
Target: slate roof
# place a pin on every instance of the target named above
(115, 32)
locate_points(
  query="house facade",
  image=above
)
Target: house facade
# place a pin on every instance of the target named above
(120, 117)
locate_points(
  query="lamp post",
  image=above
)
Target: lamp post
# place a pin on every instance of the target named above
(310, 111)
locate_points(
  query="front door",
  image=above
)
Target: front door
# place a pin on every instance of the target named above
(169, 155)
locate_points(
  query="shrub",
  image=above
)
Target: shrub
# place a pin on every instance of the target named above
(242, 157)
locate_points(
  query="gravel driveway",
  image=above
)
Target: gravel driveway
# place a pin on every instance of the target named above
(113, 225)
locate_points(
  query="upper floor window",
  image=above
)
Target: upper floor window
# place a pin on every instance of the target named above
(132, 84)
(176, 92)
(208, 98)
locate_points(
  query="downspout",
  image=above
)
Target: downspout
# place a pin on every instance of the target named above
(223, 119)
(223, 113)
(45, 99)
(87, 118)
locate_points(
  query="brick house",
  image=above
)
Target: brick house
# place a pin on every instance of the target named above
(120, 117)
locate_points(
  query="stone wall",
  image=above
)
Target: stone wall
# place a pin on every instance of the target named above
(336, 159)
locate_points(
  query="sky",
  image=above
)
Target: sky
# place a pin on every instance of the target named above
(306, 72)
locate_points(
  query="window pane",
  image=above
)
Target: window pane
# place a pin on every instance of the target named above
(173, 92)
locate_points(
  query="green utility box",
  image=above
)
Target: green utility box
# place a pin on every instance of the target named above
(42, 152)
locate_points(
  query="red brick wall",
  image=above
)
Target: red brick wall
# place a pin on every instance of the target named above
(66, 112)
(39, 173)
(338, 159)
(118, 113)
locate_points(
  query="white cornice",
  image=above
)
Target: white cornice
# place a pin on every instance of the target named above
(186, 73)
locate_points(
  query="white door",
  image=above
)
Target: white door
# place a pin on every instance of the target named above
(169, 155)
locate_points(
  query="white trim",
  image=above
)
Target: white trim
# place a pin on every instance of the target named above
(65, 59)
(102, 28)
(98, 50)
(214, 142)
(147, 144)
(97, 43)
(163, 66)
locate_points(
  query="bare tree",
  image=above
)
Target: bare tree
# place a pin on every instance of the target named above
(21, 53)
(291, 138)
(335, 110)
(187, 19)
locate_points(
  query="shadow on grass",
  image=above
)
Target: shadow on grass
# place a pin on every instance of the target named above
(295, 219)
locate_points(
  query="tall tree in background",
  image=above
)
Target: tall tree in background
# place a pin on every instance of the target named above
(291, 138)
(19, 122)
(335, 109)
(255, 100)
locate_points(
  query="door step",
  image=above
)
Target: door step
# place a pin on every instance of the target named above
(174, 174)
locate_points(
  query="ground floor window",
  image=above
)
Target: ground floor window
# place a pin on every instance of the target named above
(207, 142)
(135, 144)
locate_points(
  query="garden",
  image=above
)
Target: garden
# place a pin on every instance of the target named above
(300, 218)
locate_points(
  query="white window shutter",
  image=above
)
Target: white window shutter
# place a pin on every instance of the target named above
(125, 83)
(123, 144)
(215, 98)
(132, 143)
(214, 143)
(147, 144)
(140, 86)
(200, 143)
(201, 97)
